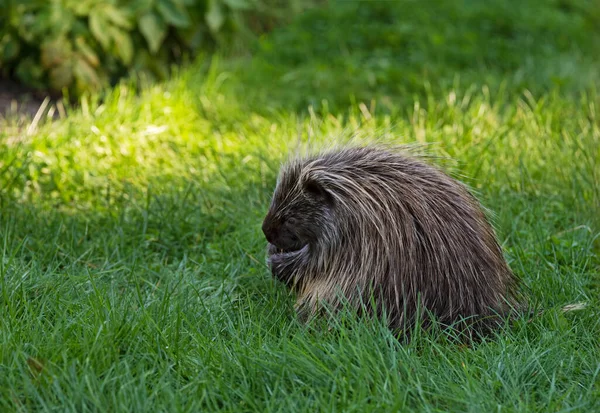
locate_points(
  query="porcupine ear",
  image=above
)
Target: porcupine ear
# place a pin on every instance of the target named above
(316, 190)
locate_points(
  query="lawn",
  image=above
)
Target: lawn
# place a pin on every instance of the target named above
(133, 277)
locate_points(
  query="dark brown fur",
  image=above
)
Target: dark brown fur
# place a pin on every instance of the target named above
(388, 232)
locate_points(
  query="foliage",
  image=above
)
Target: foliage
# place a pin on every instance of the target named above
(83, 45)
(132, 272)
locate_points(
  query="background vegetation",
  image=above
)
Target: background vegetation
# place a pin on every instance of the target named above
(82, 46)
(132, 273)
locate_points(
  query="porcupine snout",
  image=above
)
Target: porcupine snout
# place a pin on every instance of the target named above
(281, 235)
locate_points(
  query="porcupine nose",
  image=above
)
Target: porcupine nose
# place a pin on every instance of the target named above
(268, 230)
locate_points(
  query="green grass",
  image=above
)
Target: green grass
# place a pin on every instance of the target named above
(132, 272)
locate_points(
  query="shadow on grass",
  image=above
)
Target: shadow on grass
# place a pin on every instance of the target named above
(392, 51)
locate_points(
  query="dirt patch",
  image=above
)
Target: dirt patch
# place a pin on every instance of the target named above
(16, 99)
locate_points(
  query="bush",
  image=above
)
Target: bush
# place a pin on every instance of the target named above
(83, 45)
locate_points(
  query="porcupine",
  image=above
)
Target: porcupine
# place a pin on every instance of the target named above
(384, 231)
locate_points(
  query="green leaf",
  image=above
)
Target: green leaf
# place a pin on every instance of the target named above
(55, 52)
(81, 8)
(123, 44)
(87, 78)
(86, 51)
(139, 7)
(119, 17)
(60, 20)
(153, 29)
(173, 13)
(10, 48)
(98, 27)
(214, 16)
(62, 76)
